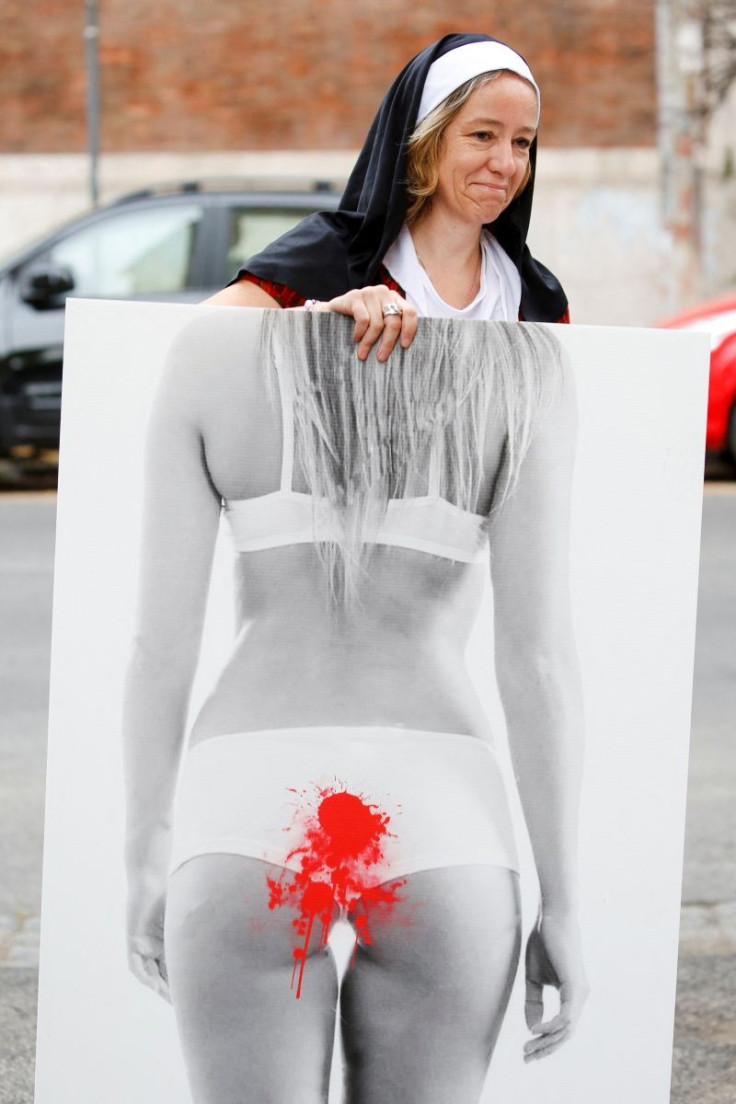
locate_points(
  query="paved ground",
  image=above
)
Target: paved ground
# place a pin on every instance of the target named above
(704, 1063)
(704, 1066)
(704, 1069)
(26, 562)
(18, 994)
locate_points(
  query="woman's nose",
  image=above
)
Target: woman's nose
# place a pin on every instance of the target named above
(502, 159)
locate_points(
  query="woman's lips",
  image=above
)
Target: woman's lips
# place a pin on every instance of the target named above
(502, 188)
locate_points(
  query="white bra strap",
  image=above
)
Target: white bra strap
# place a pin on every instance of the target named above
(286, 396)
(434, 470)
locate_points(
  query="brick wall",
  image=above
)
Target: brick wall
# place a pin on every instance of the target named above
(183, 75)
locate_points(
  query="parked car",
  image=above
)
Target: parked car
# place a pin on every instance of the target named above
(174, 244)
(718, 318)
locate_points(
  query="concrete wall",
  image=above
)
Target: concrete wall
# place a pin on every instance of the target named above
(596, 224)
(719, 200)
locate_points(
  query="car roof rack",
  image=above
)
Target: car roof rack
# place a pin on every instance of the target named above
(289, 185)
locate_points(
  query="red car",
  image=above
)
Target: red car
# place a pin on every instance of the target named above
(718, 318)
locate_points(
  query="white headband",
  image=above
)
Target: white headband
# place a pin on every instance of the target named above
(465, 62)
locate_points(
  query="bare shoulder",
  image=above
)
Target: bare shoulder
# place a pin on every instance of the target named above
(209, 357)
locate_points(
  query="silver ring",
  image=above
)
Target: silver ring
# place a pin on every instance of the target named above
(391, 309)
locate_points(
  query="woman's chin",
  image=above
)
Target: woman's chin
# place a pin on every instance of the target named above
(489, 212)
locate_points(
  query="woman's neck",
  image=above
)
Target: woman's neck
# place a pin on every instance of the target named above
(450, 254)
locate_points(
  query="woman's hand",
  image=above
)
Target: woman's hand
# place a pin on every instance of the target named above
(146, 909)
(553, 957)
(366, 306)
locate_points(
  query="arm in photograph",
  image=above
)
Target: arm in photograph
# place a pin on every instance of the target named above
(539, 682)
(180, 521)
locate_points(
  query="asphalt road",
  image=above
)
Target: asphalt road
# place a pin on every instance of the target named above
(26, 565)
(705, 1035)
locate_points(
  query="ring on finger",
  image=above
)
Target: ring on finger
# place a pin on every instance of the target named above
(389, 309)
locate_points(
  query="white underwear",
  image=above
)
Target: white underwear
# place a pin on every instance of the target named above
(436, 799)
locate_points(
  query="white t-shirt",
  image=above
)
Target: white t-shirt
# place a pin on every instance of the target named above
(498, 297)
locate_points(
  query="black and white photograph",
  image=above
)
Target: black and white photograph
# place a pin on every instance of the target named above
(370, 709)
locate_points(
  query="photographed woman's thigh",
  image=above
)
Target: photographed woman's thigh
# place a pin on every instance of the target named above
(424, 1002)
(244, 1036)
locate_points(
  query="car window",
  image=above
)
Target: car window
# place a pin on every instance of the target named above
(251, 229)
(132, 252)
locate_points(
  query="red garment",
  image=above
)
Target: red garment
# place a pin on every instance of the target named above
(286, 297)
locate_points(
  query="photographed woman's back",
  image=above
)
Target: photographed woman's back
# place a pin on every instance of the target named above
(373, 631)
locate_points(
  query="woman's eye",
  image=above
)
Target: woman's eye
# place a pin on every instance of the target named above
(523, 143)
(483, 135)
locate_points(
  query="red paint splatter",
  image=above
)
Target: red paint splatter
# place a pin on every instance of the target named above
(342, 866)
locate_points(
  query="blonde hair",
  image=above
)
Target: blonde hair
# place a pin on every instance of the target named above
(364, 431)
(424, 148)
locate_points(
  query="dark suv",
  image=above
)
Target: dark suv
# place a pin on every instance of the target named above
(174, 244)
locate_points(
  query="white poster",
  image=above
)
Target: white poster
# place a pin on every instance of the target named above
(619, 492)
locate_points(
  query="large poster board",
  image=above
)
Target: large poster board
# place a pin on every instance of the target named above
(634, 546)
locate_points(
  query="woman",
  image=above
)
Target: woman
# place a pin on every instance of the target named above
(412, 238)
(372, 674)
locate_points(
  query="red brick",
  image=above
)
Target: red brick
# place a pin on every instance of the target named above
(302, 74)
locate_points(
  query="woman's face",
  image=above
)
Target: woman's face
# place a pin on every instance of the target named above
(485, 151)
